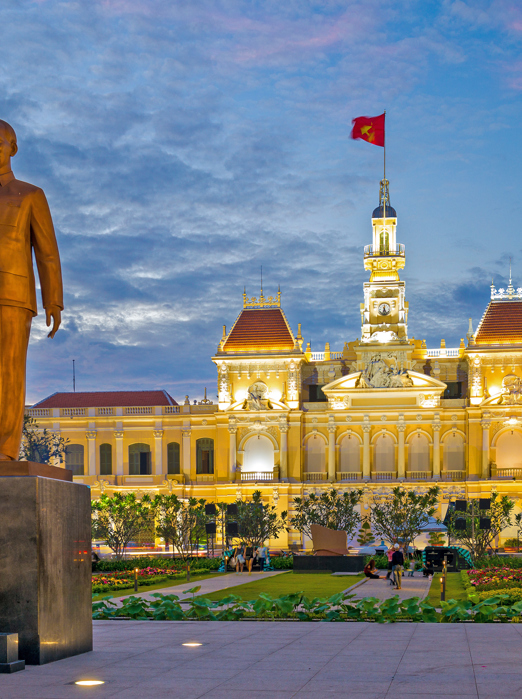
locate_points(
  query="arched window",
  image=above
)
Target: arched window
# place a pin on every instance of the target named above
(509, 450)
(453, 453)
(350, 455)
(259, 455)
(74, 458)
(384, 453)
(315, 455)
(205, 455)
(173, 458)
(105, 460)
(419, 453)
(139, 460)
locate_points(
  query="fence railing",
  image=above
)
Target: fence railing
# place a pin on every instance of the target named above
(73, 412)
(443, 352)
(453, 475)
(257, 476)
(384, 475)
(373, 251)
(140, 410)
(40, 412)
(315, 476)
(418, 475)
(349, 475)
(506, 473)
(171, 410)
(319, 356)
(105, 411)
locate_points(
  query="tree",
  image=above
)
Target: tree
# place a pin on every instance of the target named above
(402, 514)
(330, 509)
(366, 536)
(474, 538)
(518, 526)
(41, 446)
(258, 522)
(436, 539)
(182, 522)
(119, 519)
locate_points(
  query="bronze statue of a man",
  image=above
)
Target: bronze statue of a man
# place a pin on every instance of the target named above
(25, 225)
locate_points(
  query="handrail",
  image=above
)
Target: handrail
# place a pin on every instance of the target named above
(443, 352)
(372, 251)
(257, 476)
(319, 356)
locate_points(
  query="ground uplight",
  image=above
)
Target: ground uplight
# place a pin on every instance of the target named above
(89, 683)
(192, 645)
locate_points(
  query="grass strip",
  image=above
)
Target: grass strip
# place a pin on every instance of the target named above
(316, 585)
(454, 589)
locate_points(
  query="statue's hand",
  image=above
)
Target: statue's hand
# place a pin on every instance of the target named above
(54, 313)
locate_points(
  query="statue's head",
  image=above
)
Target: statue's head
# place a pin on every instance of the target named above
(8, 144)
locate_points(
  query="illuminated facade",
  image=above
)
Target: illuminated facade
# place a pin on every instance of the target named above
(382, 410)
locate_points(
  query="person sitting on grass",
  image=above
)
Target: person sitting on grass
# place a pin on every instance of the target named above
(371, 572)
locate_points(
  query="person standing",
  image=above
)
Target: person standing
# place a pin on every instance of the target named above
(262, 553)
(389, 554)
(397, 562)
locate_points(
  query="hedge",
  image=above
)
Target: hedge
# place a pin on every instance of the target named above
(105, 566)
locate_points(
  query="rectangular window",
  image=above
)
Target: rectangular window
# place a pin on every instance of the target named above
(453, 390)
(145, 463)
(315, 394)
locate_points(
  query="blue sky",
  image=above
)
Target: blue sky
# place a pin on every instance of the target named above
(182, 145)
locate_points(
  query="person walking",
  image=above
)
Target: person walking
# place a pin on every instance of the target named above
(239, 555)
(397, 562)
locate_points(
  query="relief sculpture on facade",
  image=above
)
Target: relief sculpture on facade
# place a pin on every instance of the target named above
(511, 390)
(380, 374)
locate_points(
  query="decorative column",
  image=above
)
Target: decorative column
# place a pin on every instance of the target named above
(486, 424)
(366, 451)
(232, 452)
(91, 441)
(436, 448)
(401, 467)
(331, 452)
(186, 452)
(158, 451)
(283, 453)
(118, 436)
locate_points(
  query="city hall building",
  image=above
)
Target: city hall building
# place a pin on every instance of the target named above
(380, 411)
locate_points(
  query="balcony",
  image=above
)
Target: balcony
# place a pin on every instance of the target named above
(349, 475)
(453, 475)
(315, 476)
(418, 475)
(257, 477)
(506, 473)
(372, 251)
(384, 475)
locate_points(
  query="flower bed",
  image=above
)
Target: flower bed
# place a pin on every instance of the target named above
(498, 578)
(122, 579)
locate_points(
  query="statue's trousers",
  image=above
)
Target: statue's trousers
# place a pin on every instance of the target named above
(15, 326)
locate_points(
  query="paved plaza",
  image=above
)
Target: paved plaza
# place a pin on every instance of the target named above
(273, 660)
(417, 586)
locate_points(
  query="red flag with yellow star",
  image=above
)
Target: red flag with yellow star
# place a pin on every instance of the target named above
(369, 129)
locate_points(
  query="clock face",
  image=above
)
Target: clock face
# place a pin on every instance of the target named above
(384, 309)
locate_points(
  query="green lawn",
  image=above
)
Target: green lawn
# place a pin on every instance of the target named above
(454, 589)
(194, 578)
(312, 585)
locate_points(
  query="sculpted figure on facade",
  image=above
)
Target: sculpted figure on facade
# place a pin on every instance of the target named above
(25, 227)
(378, 374)
(511, 390)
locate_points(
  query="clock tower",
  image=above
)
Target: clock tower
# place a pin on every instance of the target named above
(384, 313)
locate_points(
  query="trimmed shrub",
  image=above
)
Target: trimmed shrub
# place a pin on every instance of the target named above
(282, 562)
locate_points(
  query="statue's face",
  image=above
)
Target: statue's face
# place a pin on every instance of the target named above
(6, 149)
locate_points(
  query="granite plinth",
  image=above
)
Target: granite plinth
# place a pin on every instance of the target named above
(32, 468)
(45, 566)
(335, 564)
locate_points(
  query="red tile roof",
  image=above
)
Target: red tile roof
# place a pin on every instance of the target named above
(501, 324)
(260, 330)
(106, 399)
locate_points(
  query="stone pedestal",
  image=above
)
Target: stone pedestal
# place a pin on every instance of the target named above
(45, 563)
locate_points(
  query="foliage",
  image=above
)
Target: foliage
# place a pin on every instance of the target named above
(474, 538)
(513, 543)
(498, 561)
(258, 522)
(401, 515)
(198, 563)
(180, 521)
(338, 607)
(494, 578)
(330, 509)
(366, 536)
(512, 595)
(436, 539)
(41, 446)
(119, 519)
(282, 562)
(381, 561)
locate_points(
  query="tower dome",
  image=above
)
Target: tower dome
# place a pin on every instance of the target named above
(379, 213)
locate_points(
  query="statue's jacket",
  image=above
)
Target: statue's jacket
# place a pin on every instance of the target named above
(26, 225)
